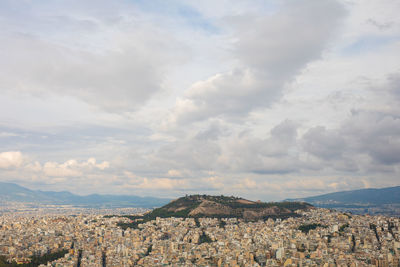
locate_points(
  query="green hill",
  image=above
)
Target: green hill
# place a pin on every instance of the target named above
(197, 206)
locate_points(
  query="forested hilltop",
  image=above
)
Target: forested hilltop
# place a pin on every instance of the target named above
(200, 206)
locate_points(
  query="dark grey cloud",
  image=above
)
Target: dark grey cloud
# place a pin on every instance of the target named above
(380, 25)
(323, 143)
(285, 132)
(192, 153)
(284, 42)
(365, 139)
(376, 134)
(394, 85)
(213, 150)
(213, 132)
(269, 155)
(368, 140)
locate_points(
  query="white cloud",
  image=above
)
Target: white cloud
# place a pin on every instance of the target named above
(215, 182)
(91, 162)
(174, 173)
(34, 166)
(8, 134)
(230, 94)
(21, 167)
(158, 183)
(11, 159)
(53, 169)
(270, 50)
(247, 184)
(72, 168)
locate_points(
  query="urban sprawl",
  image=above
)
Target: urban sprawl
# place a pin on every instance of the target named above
(318, 237)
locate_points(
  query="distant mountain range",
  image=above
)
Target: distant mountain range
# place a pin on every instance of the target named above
(369, 196)
(10, 192)
(371, 200)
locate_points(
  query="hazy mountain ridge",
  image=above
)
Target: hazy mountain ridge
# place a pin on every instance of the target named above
(385, 201)
(369, 196)
(10, 192)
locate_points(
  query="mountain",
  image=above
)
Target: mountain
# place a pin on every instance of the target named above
(197, 206)
(223, 206)
(15, 193)
(370, 196)
(371, 200)
(10, 192)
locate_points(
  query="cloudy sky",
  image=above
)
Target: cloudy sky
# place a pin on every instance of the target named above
(263, 99)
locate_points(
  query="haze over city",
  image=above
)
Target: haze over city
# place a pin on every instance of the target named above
(261, 99)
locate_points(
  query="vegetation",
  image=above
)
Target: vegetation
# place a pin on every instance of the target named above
(222, 224)
(149, 249)
(344, 226)
(305, 228)
(191, 202)
(373, 227)
(301, 248)
(329, 238)
(391, 226)
(204, 238)
(5, 263)
(196, 220)
(34, 260)
(79, 258)
(132, 217)
(353, 243)
(182, 207)
(133, 225)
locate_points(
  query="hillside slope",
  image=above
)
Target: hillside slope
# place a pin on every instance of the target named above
(197, 206)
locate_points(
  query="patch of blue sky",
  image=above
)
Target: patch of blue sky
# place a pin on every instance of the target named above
(155, 6)
(182, 12)
(196, 20)
(368, 44)
(268, 7)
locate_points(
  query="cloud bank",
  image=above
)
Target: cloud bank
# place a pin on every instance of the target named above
(262, 99)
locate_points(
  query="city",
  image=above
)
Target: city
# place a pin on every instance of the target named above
(319, 237)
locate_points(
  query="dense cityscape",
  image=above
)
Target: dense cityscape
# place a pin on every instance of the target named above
(318, 237)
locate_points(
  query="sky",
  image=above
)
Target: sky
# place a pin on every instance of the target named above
(262, 99)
